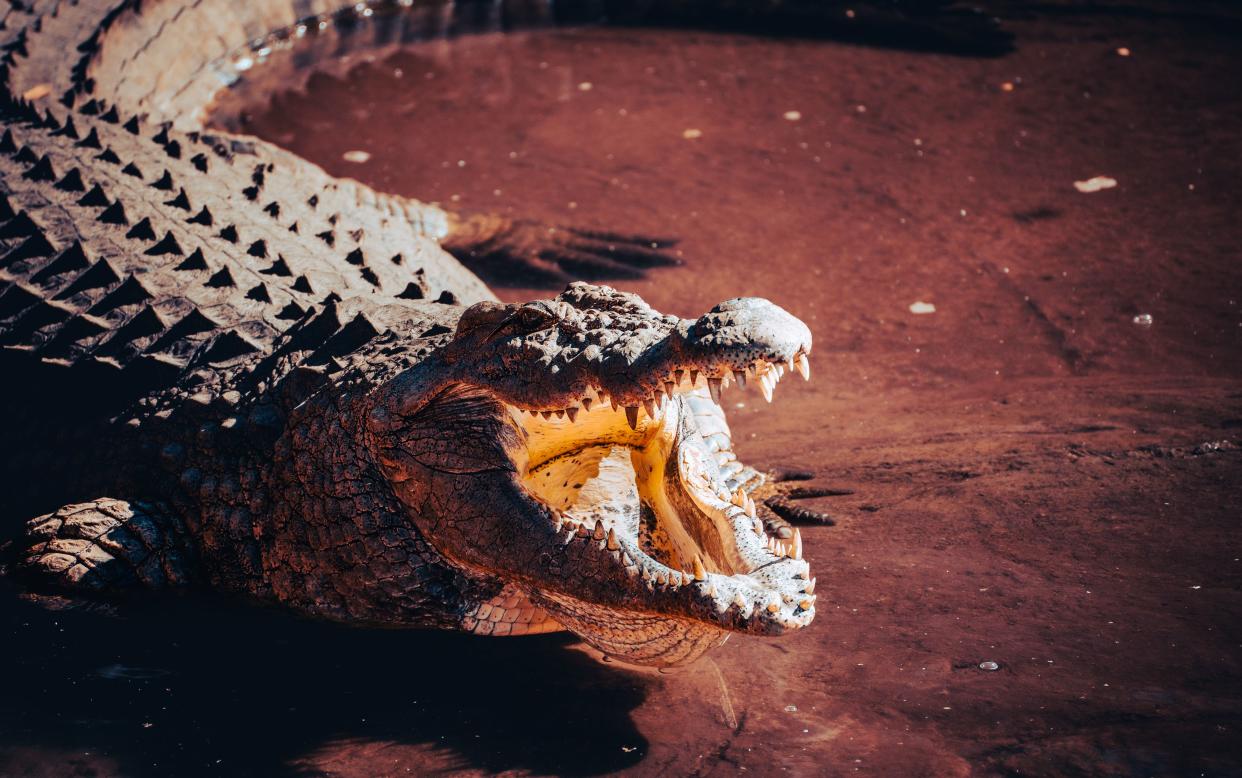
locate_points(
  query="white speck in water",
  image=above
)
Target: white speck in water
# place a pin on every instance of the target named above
(585, 86)
(1143, 320)
(691, 134)
(1096, 184)
(356, 156)
(989, 665)
(860, 108)
(791, 708)
(244, 63)
(461, 163)
(1123, 52)
(793, 116)
(920, 307)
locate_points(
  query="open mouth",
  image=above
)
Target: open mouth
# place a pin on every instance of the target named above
(654, 488)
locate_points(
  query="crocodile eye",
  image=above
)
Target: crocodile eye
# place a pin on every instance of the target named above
(525, 321)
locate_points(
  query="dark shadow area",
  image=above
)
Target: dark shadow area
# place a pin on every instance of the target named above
(912, 25)
(193, 685)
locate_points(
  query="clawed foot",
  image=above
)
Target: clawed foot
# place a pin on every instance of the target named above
(523, 252)
(776, 502)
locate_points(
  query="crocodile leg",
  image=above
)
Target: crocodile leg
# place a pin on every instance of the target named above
(508, 251)
(106, 545)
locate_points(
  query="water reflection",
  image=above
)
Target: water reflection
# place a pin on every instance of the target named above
(195, 685)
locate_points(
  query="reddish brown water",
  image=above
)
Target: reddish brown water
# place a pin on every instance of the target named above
(1041, 479)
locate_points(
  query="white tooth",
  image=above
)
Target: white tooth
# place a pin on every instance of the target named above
(765, 387)
(598, 533)
(662, 578)
(572, 413)
(739, 498)
(803, 365)
(714, 386)
(646, 574)
(758, 526)
(808, 603)
(725, 380)
(750, 507)
(612, 539)
(810, 588)
(780, 372)
(587, 402)
(797, 544)
(700, 574)
(740, 377)
(739, 600)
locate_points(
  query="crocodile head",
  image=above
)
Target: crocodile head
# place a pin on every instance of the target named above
(573, 447)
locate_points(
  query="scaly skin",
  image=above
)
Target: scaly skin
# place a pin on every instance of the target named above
(237, 371)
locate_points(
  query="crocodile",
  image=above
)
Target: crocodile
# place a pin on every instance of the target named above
(233, 370)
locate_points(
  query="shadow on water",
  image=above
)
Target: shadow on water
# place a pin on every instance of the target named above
(202, 685)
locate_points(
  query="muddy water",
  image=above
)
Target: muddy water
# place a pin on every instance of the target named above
(1044, 470)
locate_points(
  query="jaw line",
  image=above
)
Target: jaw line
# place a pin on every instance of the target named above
(747, 582)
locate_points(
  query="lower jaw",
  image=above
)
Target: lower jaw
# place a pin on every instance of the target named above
(633, 637)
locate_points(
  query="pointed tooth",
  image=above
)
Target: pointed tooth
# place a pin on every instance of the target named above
(646, 573)
(662, 578)
(546, 414)
(810, 588)
(803, 365)
(587, 402)
(714, 386)
(669, 388)
(750, 507)
(758, 526)
(765, 386)
(740, 377)
(679, 376)
(780, 371)
(631, 416)
(797, 544)
(649, 407)
(739, 600)
(599, 532)
(738, 498)
(700, 574)
(612, 539)
(726, 379)
(572, 413)
(694, 377)
(808, 603)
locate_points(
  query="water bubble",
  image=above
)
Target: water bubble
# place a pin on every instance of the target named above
(1143, 320)
(989, 665)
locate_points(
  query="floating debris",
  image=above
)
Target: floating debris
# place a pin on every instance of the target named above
(1143, 320)
(1096, 184)
(793, 116)
(1007, 86)
(692, 134)
(1123, 52)
(920, 307)
(989, 665)
(585, 86)
(356, 156)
